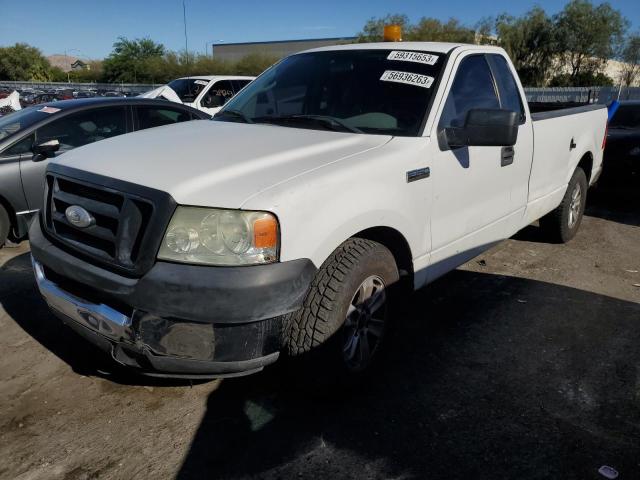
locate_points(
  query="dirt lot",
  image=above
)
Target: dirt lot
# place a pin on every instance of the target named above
(522, 364)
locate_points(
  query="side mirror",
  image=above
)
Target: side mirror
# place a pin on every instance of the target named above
(45, 149)
(485, 127)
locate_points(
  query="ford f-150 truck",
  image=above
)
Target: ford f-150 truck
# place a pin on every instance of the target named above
(293, 222)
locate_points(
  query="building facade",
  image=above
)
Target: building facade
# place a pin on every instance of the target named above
(279, 49)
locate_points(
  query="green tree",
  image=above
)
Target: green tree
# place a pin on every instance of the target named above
(93, 73)
(56, 74)
(587, 36)
(130, 60)
(433, 30)
(530, 42)
(631, 57)
(584, 79)
(23, 62)
(253, 64)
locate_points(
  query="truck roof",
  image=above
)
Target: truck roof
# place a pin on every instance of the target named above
(437, 47)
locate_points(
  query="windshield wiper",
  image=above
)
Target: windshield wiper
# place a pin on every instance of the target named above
(326, 120)
(234, 113)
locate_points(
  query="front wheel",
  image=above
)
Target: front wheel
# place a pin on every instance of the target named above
(346, 314)
(562, 224)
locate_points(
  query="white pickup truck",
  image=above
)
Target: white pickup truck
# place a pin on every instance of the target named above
(295, 219)
(207, 93)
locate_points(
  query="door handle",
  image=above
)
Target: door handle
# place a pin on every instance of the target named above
(506, 156)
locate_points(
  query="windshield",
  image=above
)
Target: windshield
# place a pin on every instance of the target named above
(627, 116)
(188, 89)
(362, 91)
(16, 121)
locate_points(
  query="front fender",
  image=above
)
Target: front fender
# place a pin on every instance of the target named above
(320, 210)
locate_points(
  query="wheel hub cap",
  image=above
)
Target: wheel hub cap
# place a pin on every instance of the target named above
(574, 206)
(365, 323)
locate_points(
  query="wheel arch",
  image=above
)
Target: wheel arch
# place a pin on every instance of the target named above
(586, 163)
(397, 245)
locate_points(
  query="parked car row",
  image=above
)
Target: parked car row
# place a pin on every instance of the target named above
(30, 96)
(31, 137)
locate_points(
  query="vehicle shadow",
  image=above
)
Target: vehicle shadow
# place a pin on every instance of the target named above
(21, 300)
(616, 199)
(488, 376)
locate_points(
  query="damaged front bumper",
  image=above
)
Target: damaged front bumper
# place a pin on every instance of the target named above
(177, 320)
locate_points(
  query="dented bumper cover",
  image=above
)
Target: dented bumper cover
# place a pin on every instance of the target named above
(177, 320)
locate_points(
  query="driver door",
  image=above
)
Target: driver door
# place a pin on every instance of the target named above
(471, 185)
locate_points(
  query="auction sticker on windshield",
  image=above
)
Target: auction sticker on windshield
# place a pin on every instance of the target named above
(407, 78)
(416, 57)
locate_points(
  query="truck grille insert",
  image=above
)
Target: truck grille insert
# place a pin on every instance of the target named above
(121, 225)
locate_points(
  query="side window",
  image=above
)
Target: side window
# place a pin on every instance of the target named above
(240, 84)
(218, 94)
(81, 128)
(507, 86)
(472, 87)
(149, 117)
(21, 147)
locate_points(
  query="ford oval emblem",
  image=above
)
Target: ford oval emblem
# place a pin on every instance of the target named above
(79, 217)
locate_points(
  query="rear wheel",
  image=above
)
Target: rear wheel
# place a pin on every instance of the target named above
(562, 224)
(5, 226)
(345, 316)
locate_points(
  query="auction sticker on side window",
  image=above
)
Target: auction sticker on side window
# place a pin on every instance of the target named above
(416, 57)
(201, 82)
(408, 78)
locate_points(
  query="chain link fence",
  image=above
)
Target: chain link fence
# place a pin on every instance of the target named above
(135, 88)
(543, 94)
(603, 95)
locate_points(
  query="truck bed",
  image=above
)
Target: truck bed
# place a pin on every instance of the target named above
(560, 144)
(559, 109)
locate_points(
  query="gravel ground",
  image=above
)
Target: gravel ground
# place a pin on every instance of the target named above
(524, 363)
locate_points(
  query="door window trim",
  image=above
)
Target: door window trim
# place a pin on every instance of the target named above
(490, 61)
(445, 95)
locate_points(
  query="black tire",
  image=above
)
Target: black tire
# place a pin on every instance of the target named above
(318, 332)
(5, 226)
(562, 224)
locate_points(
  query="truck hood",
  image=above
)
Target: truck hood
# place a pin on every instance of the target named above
(217, 164)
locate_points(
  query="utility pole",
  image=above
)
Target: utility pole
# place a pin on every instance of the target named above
(186, 41)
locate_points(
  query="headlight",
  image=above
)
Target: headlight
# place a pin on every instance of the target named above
(220, 237)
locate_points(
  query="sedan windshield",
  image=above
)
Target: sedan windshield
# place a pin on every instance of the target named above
(360, 91)
(16, 121)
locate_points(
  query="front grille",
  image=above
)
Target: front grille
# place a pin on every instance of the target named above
(126, 232)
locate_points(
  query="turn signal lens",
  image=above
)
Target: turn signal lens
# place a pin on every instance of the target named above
(265, 232)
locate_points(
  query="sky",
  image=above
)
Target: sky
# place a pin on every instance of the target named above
(87, 29)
